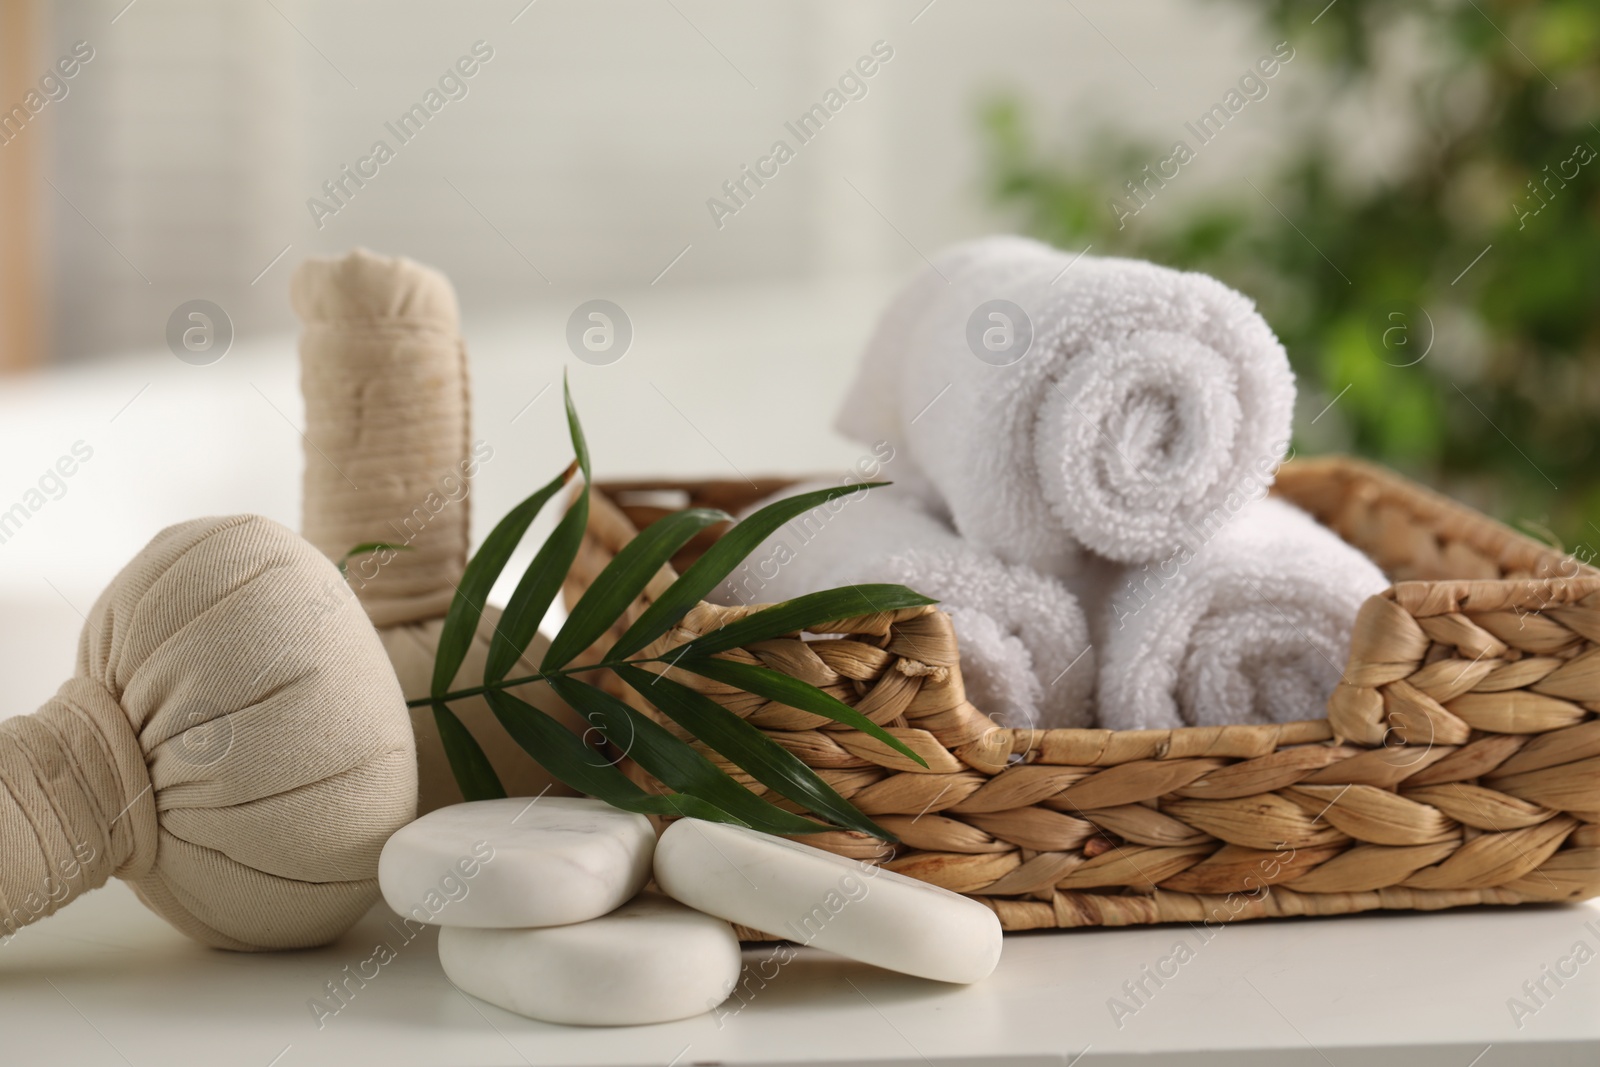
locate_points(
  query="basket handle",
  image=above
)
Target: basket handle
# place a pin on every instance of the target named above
(1434, 663)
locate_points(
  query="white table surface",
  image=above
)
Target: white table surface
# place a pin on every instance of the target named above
(105, 982)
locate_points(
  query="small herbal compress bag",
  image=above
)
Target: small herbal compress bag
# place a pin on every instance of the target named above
(389, 459)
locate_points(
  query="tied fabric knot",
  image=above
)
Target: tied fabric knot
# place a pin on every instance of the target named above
(79, 807)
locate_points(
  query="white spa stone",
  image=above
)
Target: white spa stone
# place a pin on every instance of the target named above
(516, 862)
(650, 961)
(816, 898)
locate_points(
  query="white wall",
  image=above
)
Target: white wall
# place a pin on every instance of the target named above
(590, 141)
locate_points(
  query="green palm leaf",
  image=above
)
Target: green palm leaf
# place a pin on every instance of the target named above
(701, 789)
(674, 762)
(624, 578)
(773, 685)
(716, 563)
(461, 621)
(563, 754)
(471, 767)
(540, 583)
(763, 758)
(801, 613)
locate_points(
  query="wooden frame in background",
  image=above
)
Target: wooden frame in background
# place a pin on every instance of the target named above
(21, 290)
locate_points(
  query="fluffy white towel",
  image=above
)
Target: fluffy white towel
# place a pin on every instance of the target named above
(1147, 398)
(1253, 625)
(1025, 652)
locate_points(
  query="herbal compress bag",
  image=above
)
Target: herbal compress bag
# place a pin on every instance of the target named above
(232, 744)
(389, 459)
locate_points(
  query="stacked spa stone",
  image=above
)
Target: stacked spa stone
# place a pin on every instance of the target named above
(542, 908)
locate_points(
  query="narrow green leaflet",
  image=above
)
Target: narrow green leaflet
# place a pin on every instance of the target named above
(536, 591)
(802, 612)
(461, 621)
(624, 578)
(564, 755)
(720, 559)
(540, 583)
(471, 767)
(768, 683)
(580, 444)
(763, 758)
(674, 762)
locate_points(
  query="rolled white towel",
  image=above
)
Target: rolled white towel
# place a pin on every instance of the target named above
(1025, 653)
(1148, 396)
(1251, 626)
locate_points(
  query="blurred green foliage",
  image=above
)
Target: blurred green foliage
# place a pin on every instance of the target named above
(1502, 101)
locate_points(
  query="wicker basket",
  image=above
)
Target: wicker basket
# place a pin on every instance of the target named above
(1459, 764)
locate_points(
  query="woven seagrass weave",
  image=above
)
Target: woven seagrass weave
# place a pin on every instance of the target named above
(1459, 764)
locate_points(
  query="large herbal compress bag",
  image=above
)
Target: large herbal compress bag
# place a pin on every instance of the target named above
(232, 744)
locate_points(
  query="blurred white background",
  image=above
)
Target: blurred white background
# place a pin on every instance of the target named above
(583, 154)
(578, 165)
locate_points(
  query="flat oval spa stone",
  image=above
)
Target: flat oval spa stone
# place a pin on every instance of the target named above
(516, 862)
(650, 961)
(813, 897)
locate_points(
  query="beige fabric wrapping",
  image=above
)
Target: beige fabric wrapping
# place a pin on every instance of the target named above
(232, 743)
(384, 375)
(389, 459)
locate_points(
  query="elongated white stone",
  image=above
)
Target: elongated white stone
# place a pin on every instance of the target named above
(650, 961)
(814, 897)
(516, 862)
